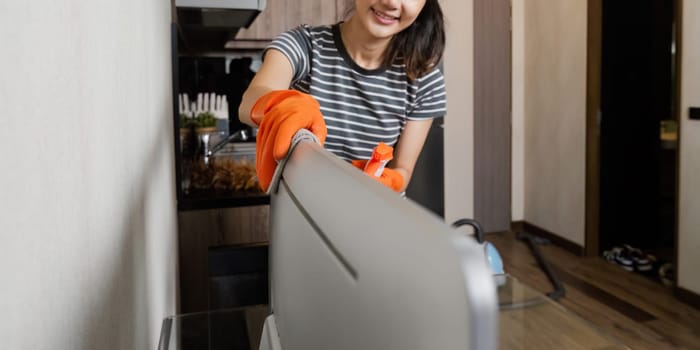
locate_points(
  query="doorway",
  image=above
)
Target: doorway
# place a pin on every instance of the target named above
(632, 96)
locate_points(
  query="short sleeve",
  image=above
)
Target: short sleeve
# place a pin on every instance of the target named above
(295, 44)
(430, 97)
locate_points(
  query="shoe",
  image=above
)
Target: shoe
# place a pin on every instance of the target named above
(620, 257)
(641, 261)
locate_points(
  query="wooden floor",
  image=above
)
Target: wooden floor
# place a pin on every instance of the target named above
(636, 310)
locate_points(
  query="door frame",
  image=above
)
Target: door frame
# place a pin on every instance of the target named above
(593, 99)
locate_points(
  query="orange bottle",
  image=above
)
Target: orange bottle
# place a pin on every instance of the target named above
(381, 155)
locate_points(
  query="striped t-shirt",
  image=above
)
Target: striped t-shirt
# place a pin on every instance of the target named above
(361, 107)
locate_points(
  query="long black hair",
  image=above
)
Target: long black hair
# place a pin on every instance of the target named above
(421, 44)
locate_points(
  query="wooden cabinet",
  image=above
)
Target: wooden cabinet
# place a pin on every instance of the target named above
(200, 230)
(281, 15)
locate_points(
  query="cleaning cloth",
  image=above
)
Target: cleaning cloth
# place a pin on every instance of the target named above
(303, 135)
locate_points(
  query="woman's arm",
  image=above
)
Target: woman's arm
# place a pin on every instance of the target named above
(275, 74)
(409, 147)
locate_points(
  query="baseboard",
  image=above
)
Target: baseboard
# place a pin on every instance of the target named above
(517, 226)
(688, 297)
(524, 226)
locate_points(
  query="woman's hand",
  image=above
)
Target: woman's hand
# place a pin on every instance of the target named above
(408, 148)
(389, 177)
(280, 114)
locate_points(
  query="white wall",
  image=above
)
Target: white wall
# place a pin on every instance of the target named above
(88, 238)
(459, 121)
(689, 187)
(554, 105)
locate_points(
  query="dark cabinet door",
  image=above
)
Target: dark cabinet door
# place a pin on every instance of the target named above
(427, 186)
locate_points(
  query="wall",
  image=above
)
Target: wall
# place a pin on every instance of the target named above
(549, 81)
(554, 116)
(88, 252)
(518, 110)
(549, 104)
(545, 35)
(459, 121)
(689, 187)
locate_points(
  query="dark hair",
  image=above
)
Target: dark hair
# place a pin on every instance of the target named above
(421, 44)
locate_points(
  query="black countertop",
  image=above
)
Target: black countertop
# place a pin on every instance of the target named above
(214, 202)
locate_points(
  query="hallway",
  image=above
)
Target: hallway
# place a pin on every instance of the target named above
(640, 312)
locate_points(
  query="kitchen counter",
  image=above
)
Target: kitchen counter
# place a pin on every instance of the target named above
(221, 201)
(220, 174)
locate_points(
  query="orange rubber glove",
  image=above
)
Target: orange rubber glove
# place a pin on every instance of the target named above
(388, 177)
(279, 115)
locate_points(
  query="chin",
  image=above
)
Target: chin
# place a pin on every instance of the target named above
(383, 32)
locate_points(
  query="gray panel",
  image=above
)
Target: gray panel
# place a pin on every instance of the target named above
(355, 266)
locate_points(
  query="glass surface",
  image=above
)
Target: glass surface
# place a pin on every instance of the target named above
(232, 329)
(527, 320)
(530, 320)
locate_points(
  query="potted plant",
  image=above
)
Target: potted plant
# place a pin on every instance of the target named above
(205, 122)
(187, 123)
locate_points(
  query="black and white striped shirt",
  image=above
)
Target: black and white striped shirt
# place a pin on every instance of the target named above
(360, 107)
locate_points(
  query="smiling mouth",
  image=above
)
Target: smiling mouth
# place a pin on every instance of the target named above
(384, 15)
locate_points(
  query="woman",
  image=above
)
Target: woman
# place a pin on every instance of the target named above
(370, 79)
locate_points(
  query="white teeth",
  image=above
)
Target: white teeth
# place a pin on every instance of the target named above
(382, 15)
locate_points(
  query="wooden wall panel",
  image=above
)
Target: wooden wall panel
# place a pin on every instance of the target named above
(281, 15)
(492, 114)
